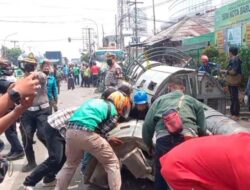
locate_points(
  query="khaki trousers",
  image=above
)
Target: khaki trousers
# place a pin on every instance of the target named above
(78, 141)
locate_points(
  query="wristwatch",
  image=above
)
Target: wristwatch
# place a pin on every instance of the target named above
(14, 95)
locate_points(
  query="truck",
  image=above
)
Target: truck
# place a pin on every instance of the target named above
(56, 56)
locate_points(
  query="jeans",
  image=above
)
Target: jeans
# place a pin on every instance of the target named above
(31, 122)
(85, 161)
(76, 78)
(235, 104)
(95, 80)
(12, 137)
(164, 145)
(78, 141)
(53, 164)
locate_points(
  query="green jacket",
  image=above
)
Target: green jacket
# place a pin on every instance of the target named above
(92, 113)
(191, 111)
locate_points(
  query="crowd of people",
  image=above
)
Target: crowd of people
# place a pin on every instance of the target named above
(183, 161)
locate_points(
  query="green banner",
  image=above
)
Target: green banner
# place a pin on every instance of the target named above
(231, 14)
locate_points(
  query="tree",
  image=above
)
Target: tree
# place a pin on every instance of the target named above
(12, 54)
(85, 57)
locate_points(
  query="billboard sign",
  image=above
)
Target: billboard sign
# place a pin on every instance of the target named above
(231, 14)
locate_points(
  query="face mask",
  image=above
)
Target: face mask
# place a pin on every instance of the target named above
(29, 68)
(110, 62)
(46, 72)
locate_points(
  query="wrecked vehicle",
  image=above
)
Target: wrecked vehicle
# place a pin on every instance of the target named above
(133, 154)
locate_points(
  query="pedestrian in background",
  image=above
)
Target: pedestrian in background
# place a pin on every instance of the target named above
(76, 73)
(47, 68)
(71, 83)
(95, 70)
(234, 79)
(87, 76)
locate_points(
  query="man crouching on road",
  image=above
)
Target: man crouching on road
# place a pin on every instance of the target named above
(191, 114)
(86, 131)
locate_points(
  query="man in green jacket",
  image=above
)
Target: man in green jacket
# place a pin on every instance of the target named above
(192, 115)
(87, 131)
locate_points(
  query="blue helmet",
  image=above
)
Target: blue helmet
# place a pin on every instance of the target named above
(140, 97)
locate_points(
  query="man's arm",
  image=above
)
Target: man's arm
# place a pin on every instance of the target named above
(149, 127)
(26, 87)
(11, 117)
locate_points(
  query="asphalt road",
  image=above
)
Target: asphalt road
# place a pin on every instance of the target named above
(14, 179)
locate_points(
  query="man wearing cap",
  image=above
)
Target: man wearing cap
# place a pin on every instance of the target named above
(35, 118)
(114, 74)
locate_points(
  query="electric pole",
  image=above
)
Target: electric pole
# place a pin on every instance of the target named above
(88, 34)
(116, 30)
(136, 26)
(153, 1)
(121, 26)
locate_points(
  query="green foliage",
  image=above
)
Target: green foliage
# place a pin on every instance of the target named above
(245, 58)
(13, 54)
(217, 57)
(85, 57)
(212, 53)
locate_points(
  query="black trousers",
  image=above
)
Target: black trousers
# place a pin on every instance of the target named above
(86, 81)
(235, 103)
(53, 164)
(164, 145)
(12, 137)
(31, 122)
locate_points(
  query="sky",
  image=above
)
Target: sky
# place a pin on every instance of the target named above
(32, 21)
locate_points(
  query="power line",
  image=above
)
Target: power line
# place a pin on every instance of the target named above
(35, 41)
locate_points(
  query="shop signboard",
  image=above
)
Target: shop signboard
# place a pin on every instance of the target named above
(219, 39)
(234, 36)
(232, 14)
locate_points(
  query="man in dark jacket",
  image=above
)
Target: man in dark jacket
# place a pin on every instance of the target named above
(234, 71)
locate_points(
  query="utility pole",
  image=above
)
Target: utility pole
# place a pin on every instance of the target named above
(87, 38)
(14, 42)
(116, 30)
(153, 1)
(136, 25)
(121, 26)
(103, 35)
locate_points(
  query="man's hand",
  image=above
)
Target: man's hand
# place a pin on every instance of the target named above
(25, 103)
(27, 86)
(115, 141)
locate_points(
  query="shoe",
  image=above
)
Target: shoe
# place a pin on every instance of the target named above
(47, 182)
(28, 188)
(1, 145)
(29, 167)
(15, 156)
(7, 155)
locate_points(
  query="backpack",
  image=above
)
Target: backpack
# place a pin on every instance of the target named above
(172, 119)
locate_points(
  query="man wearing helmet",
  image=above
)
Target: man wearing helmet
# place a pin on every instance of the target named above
(35, 118)
(114, 74)
(141, 105)
(87, 130)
